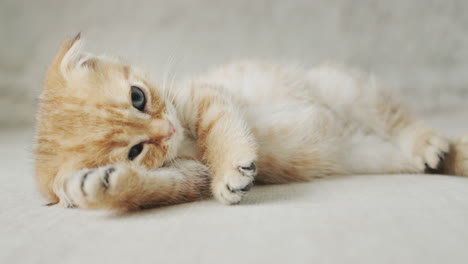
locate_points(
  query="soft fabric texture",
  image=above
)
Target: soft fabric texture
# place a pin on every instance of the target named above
(353, 219)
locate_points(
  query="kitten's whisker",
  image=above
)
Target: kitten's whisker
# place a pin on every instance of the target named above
(174, 72)
(172, 87)
(167, 86)
(166, 71)
(170, 74)
(171, 95)
(177, 90)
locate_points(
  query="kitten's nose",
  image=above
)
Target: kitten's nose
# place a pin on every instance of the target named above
(161, 129)
(171, 130)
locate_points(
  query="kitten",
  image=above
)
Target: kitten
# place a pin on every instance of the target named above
(107, 137)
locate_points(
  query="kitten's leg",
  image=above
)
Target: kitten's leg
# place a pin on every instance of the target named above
(369, 153)
(354, 96)
(121, 186)
(226, 144)
(301, 142)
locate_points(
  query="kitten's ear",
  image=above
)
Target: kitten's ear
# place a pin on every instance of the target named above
(70, 56)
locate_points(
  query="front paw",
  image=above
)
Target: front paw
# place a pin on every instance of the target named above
(234, 183)
(91, 188)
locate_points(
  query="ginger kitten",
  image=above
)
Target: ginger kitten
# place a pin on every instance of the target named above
(107, 137)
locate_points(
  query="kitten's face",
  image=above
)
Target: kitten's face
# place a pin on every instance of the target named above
(96, 111)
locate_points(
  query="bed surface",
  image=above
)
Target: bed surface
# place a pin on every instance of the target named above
(355, 219)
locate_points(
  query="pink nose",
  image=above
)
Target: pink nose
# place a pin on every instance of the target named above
(160, 129)
(171, 130)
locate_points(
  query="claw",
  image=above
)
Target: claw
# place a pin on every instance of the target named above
(105, 180)
(83, 182)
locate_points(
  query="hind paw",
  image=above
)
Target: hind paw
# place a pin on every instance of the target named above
(457, 160)
(429, 151)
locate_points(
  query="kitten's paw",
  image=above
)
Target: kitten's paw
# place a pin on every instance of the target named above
(234, 184)
(457, 159)
(429, 151)
(89, 188)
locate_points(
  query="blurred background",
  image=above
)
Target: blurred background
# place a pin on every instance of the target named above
(417, 47)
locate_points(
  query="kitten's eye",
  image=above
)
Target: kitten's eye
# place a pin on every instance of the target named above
(138, 98)
(135, 151)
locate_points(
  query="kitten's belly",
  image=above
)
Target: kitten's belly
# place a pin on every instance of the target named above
(297, 140)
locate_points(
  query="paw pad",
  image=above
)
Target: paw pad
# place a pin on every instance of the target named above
(249, 170)
(244, 189)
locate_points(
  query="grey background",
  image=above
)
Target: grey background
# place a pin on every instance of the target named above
(418, 47)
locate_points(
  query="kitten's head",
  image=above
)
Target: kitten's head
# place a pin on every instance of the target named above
(94, 111)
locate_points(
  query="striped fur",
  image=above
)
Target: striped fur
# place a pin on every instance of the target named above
(290, 123)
